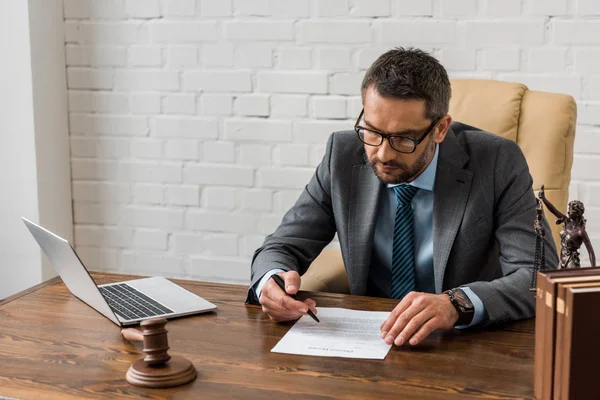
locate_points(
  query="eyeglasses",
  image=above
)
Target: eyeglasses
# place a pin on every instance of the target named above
(401, 144)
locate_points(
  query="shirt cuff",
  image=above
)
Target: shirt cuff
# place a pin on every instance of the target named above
(480, 315)
(259, 285)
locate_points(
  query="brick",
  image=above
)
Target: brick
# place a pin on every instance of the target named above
(146, 148)
(183, 32)
(576, 31)
(217, 81)
(256, 155)
(147, 193)
(261, 130)
(145, 103)
(317, 132)
(230, 270)
(593, 195)
(153, 217)
(119, 33)
(218, 55)
(146, 80)
(283, 105)
(153, 264)
(249, 244)
(547, 7)
(366, 57)
(218, 198)
(499, 59)
(329, 107)
(348, 84)
(187, 243)
(188, 127)
(547, 59)
(215, 104)
(333, 58)
(288, 178)
(418, 32)
(503, 8)
(182, 56)
(215, 8)
(179, 8)
(588, 113)
(82, 9)
(292, 82)
(371, 8)
(268, 223)
(291, 154)
(585, 167)
(223, 152)
(595, 88)
(145, 56)
(182, 150)
(587, 61)
(103, 170)
(150, 171)
(412, 8)
(101, 214)
(459, 8)
(101, 192)
(499, 32)
(334, 32)
(295, 58)
(289, 8)
(179, 103)
(285, 199)
(316, 155)
(144, 9)
(253, 55)
(458, 59)
(218, 175)
(182, 195)
(259, 8)
(354, 106)
(331, 8)
(252, 105)
(119, 125)
(99, 259)
(588, 7)
(215, 221)
(150, 239)
(259, 30)
(99, 147)
(96, 56)
(566, 84)
(111, 237)
(83, 78)
(587, 141)
(101, 102)
(218, 244)
(255, 199)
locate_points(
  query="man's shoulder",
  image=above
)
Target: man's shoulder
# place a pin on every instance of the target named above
(478, 142)
(345, 144)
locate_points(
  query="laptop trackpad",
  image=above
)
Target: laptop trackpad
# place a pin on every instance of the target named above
(171, 295)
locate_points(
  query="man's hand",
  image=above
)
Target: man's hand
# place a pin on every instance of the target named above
(416, 316)
(278, 305)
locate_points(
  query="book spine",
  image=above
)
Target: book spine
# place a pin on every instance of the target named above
(540, 317)
(549, 339)
(558, 350)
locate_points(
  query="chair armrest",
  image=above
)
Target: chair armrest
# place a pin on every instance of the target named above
(326, 274)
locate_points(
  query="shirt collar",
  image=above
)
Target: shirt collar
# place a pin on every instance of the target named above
(427, 179)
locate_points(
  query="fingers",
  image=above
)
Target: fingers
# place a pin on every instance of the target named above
(407, 323)
(398, 310)
(292, 281)
(281, 307)
(424, 331)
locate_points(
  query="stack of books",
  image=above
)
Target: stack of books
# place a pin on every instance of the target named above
(567, 335)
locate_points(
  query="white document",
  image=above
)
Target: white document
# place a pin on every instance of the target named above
(341, 333)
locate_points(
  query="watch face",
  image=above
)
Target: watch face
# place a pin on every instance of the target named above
(462, 299)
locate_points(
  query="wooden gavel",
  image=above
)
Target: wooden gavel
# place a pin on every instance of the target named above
(157, 369)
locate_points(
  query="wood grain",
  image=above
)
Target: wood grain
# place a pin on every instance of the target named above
(53, 346)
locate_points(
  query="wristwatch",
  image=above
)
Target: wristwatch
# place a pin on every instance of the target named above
(463, 305)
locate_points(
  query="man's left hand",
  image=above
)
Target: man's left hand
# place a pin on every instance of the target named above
(416, 316)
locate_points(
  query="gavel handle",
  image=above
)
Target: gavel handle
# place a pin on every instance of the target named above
(133, 335)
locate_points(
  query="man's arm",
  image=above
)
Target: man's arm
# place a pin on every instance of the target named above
(304, 230)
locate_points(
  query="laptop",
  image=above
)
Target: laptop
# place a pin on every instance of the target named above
(124, 303)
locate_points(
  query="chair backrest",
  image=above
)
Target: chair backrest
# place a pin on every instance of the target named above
(542, 124)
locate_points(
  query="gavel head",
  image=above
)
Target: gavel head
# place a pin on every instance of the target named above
(156, 343)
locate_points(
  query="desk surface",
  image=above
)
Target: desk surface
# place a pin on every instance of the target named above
(55, 345)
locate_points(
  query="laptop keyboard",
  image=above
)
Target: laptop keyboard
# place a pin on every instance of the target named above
(131, 303)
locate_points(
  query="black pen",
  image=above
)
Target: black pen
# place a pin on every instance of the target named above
(281, 284)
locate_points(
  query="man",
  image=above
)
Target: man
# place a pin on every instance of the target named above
(434, 213)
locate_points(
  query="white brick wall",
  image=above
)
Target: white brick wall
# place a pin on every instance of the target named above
(195, 124)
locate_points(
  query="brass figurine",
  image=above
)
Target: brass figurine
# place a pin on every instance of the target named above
(572, 234)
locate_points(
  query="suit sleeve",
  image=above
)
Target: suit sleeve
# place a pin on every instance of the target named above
(304, 231)
(508, 297)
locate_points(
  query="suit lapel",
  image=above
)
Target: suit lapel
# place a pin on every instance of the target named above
(365, 191)
(451, 191)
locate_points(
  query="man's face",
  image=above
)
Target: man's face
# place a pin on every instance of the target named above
(406, 117)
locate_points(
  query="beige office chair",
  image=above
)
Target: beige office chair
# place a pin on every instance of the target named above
(542, 124)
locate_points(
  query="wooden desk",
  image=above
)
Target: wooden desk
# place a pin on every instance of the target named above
(53, 346)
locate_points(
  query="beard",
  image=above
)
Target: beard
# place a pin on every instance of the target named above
(404, 173)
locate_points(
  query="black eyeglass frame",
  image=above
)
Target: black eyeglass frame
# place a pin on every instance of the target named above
(383, 136)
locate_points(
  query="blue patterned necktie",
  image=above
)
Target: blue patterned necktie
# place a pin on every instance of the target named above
(403, 254)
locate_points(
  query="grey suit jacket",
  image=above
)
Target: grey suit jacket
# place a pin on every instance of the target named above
(483, 214)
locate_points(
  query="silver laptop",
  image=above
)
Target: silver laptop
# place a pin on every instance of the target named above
(124, 303)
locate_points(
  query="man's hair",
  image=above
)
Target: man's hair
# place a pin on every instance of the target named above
(409, 73)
